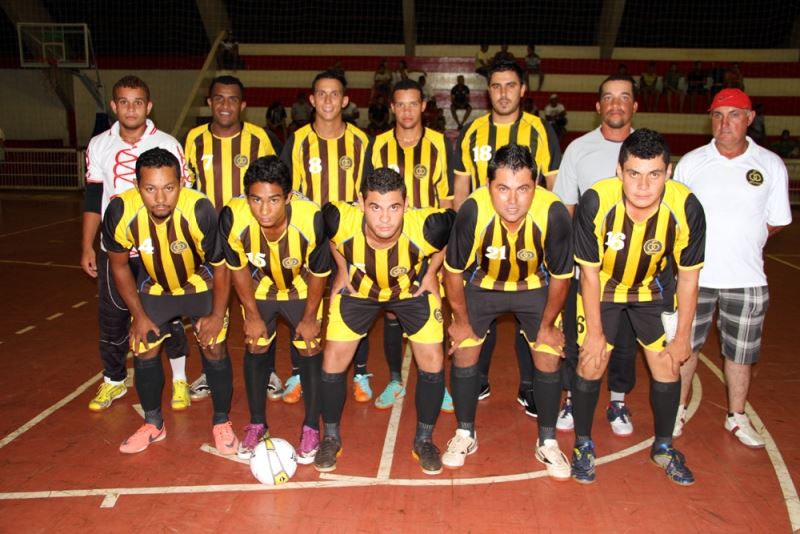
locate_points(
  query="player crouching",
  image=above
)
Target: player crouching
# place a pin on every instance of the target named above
(280, 238)
(629, 231)
(175, 232)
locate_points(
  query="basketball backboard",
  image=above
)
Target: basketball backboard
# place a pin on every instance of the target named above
(43, 45)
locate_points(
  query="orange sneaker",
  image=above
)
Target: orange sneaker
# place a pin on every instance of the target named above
(225, 439)
(293, 391)
(142, 438)
(362, 392)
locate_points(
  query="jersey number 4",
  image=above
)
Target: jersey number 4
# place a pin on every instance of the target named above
(146, 247)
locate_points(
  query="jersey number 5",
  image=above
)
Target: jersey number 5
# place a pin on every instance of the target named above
(258, 259)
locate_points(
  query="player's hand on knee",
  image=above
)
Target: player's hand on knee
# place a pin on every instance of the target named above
(678, 351)
(89, 262)
(254, 328)
(551, 336)
(207, 330)
(308, 330)
(594, 350)
(460, 332)
(139, 330)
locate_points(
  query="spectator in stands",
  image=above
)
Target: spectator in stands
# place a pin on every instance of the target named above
(401, 72)
(717, 75)
(350, 113)
(228, 53)
(482, 60)
(696, 82)
(382, 81)
(734, 77)
(378, 115)
(672, 86)
(504, 54)
(757, 131)
(786, 146)
(276, 122)
(301, 112)
(459, 99)
(422, 80)
(529, 106)
(648, 82)
(556, 114)
(533, 65)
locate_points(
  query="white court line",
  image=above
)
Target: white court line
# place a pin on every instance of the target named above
(26, 329)
(79, 304)
(54, 316)
(40, 227)
(40, 264)
(781, 471)
(387, 455)
(790, 264)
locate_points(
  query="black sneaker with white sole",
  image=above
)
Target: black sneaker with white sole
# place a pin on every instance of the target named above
(485, 392)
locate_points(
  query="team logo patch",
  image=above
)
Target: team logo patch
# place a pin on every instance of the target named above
(176, 247)
(345, 162)
(437, 314)
(652, 247)
(288, 263)
(397, 271)
(754, 177)
(526, 255)
(241, 161)
(420, 171)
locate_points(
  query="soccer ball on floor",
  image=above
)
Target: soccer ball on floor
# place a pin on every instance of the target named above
(273, 462)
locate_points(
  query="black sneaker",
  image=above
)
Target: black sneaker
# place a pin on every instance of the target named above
(530, 404)
(429, 457)
(329, 450)
(485, 391)
(521, 398)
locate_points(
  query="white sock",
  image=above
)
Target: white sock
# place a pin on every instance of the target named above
(178, 368)
(114, 382)
(617, 396)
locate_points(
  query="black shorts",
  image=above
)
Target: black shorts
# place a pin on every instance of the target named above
(163, 309)
(645, 318)
(292, 312)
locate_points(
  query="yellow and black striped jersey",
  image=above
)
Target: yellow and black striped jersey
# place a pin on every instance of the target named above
(217, 164)
(482, 138)
(424, 167)
(491, 257)
(175, 252)
(394, 272)
(326, 170)
(280, 269)
(635, 259)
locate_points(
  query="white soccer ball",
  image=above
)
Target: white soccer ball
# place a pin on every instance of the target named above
(273, 462)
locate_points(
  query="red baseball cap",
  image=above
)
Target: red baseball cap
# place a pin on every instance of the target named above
(731, 97)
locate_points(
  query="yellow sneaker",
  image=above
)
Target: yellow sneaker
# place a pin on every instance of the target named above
(181, 398)
(106, 394)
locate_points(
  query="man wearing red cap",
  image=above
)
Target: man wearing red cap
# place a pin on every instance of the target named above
(744, 191)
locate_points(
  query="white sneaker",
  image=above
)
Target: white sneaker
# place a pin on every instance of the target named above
(680, 421)
(620, 418)
(458, 448)
(565, 422)
(739, 425)
(554, 460)
(199, 388)
(274, 387)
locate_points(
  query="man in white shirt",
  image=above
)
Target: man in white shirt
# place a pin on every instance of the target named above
(744, 191)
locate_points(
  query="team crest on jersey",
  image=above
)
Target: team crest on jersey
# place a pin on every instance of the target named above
(241, 161)
(526, 255)
(437, 314)
(420, 171)
(652, 247)
(289, 263)
(176, 247)
(345, 163)
(397, 271)
(754, 177)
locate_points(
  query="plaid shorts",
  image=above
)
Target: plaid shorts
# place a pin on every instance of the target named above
(740, 321)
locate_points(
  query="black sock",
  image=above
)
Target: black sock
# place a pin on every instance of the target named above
(153, 417)
(256, 368)
(524, 359)
(333, 391)
(466, 384)
(584, 402)
(310, 379)
(547, 394)
(270, 357)
(220, 379)
(149, 381)
(360, 358)
(295, 356)
(393, 347)
(485, 359)
(664, 399)
(428, 398)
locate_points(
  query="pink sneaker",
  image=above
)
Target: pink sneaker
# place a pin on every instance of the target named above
(225, 440)
(252, 435)
(142, 438)
(309, 445)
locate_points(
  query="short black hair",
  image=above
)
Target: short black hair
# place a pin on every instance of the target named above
(270, 170)
(226, 80)
(644, 144)
(130, 82)
(617, 78)
(502, 65)
(407, 85)
(330, 74)
(513, 157)
(383, 180)
(157, 158)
